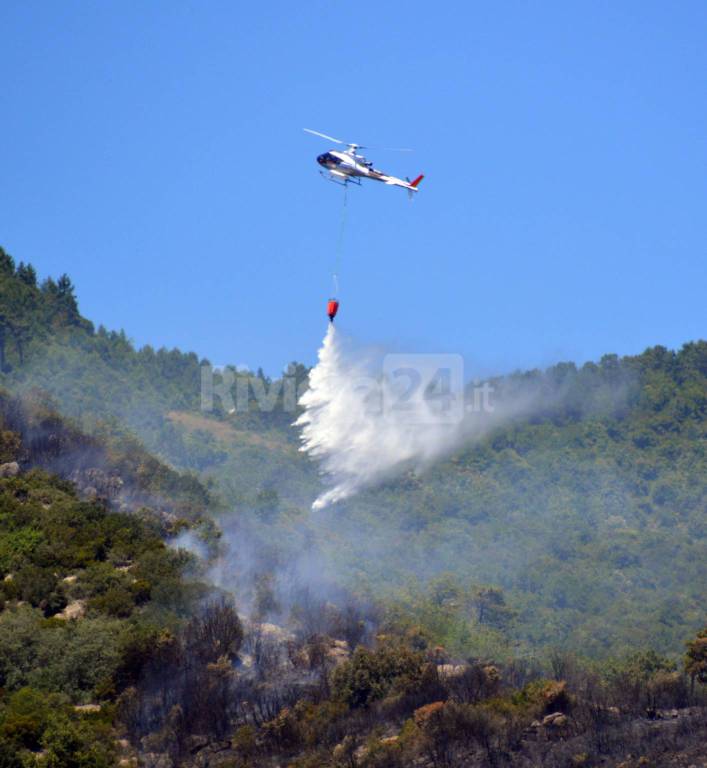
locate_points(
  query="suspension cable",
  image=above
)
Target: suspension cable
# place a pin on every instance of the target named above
(340, 244)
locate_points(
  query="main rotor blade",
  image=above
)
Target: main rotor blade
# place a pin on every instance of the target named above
(356, 146)
(324, 136)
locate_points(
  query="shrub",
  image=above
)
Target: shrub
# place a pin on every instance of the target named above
(320, 723)
(141, 591)
(370, 675)
(445, 726)
(25, 718)
(35, 585)
(75, 657)
(542, 697)
(384, 753)
(70, 743)
(283, 731)
(117, 602)
(9, 754)
(244, 744)
(667, 689)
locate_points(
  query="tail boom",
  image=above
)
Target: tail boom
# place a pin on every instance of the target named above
(411, 186)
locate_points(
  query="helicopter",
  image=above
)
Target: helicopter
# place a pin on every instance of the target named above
(348, 167)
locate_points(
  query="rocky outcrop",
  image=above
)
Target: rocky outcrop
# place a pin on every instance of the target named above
(451, 671)
(73, 611)
(555, 720)
(96, 483)
(10, 469)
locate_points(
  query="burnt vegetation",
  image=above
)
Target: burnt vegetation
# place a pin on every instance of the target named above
(304, 703)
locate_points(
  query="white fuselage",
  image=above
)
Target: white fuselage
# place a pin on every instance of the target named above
(348, 165)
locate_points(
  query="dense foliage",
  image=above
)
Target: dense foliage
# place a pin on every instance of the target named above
(87, 583)
(86, 594)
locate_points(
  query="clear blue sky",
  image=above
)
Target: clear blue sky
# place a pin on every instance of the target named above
(154, 151)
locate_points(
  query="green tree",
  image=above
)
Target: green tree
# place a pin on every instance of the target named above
(25, 717)
(696, 659)
(492, 609)
(68, 743)
(370, 675)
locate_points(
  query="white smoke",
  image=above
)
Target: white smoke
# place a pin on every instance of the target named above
(359, 441)
(191, 542)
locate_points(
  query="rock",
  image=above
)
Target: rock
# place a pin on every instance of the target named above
(423, 714)
(10, 469)
(555, 720)
(197, 742)
(73, 611)
(157, 760)
(338, 652)
(450, 671)
(95, 483)
(70, 579)
(219, 746)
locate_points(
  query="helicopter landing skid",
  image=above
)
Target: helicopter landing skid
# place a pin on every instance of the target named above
(345, 183)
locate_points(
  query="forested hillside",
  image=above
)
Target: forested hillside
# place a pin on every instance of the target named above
(585, 516)
(525, 602)
(89, 590)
